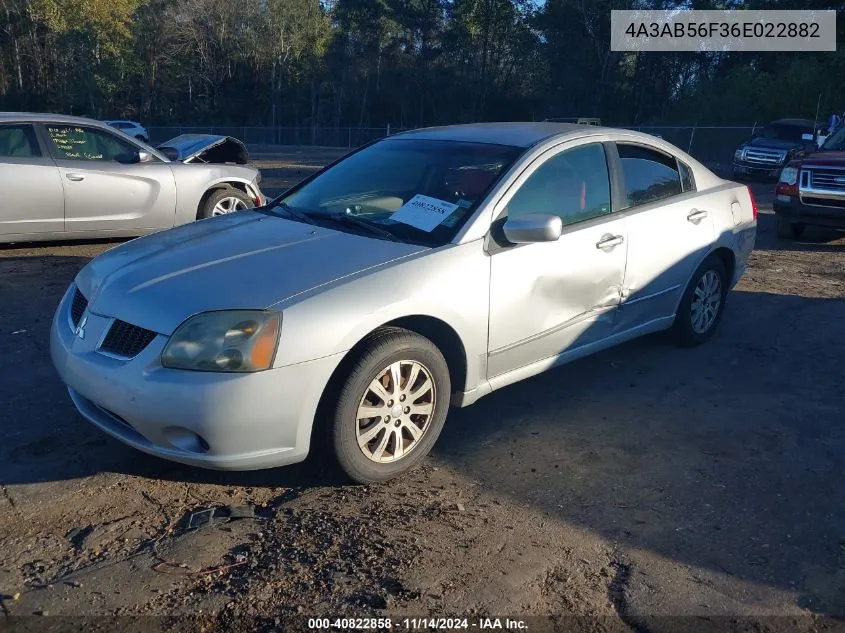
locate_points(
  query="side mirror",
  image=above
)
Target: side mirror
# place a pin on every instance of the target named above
(534, 227)
(144, 157)
(129, 157)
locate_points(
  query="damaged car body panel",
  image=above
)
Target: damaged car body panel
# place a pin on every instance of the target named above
(205, 148)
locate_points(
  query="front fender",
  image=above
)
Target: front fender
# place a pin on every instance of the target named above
(450, 284)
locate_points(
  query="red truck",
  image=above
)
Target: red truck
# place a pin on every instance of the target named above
(811, 189)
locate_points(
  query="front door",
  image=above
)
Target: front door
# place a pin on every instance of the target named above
(102, 191)
(550, 297)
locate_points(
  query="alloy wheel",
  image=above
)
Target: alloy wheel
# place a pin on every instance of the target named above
(706, 302)
(228, 205)
(395, 412)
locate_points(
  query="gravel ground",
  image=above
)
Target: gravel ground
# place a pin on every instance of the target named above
(620, 492)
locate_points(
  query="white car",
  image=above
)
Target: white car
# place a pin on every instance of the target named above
(425, 270)
(132, 128)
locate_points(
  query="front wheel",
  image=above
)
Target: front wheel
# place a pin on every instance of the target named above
(703, 303)
(391, 407)
(223, 201)
(787, 229)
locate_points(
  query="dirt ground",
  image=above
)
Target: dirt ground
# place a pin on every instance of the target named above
(646, 488)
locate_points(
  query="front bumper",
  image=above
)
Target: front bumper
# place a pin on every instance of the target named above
(747, 169)
(212, 420)
(254, 192)
(797, 211)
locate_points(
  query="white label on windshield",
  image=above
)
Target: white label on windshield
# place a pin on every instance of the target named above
(424, 212)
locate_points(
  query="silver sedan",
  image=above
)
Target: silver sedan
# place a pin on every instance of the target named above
(422, 271)
(73, 178)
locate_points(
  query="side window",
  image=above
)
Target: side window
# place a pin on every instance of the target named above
(650, 175)
(18, 141)
(687, 180)
(573, 185)
(79, 143)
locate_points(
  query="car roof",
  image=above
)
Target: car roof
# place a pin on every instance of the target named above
(45, 117)
(515, 134)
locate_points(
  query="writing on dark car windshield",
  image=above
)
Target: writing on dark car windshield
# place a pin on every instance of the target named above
(406, 178)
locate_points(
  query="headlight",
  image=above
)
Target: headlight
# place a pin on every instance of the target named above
(225, 341)
(789, 175)
(738, 154)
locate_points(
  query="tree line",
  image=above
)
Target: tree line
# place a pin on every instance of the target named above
(372, 62)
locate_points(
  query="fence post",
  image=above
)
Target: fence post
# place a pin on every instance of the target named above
(388, 129)
(691, 137)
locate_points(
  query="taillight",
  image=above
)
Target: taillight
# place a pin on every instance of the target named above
(753, 203)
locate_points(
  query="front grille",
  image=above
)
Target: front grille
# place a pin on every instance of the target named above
(823, 202)
(768, 157)
(126, 340)
(827, 179)
(77, 307)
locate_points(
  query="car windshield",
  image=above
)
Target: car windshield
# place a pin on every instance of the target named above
(836, 141)
(785, 132)
(413, 190)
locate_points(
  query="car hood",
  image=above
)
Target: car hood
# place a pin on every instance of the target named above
(773, 143)
(205, 148)
(825, 158)
(246, 260)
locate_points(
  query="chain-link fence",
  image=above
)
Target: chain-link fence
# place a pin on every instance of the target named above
(319, 136)
(713, 145)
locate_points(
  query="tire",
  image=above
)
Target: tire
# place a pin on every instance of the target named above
(687, 330)
(375, 460)
(229, 197)
(787, 229)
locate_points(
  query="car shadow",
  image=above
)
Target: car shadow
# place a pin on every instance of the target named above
(729, 456)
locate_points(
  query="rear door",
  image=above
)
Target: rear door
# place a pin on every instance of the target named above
(31, 196)
(102, 191)
(670, 229)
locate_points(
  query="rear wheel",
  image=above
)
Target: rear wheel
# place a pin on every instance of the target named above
(703, 303)
(785, 228)
(391, 407)
(223, 201)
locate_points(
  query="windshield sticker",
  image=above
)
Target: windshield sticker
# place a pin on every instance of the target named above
(424, 212)
(466, 204)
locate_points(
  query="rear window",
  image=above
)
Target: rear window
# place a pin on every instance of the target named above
(650, 175)
(18, 141)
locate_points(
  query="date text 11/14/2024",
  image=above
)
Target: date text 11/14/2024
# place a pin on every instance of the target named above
(415, 624)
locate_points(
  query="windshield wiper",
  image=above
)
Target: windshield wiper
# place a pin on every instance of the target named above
(346, 218)
(294, 213)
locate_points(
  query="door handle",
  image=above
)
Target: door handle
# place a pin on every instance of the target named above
(696, 215)
(608, 241)
(75, 177)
